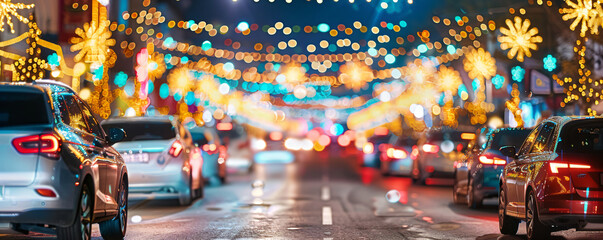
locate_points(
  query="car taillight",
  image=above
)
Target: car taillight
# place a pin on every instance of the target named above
(45, 144)
(430, 148)
(209, 148)
(46, 192)
(491, 160)
(415, 152)
(556, 166)
(175, 149)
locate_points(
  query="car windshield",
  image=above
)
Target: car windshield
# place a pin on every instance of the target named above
(508, 138)
(22, 109)
(143, 131)
(582, 137)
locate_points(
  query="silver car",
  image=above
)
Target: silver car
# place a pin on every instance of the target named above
(59, 172)
(162, 159)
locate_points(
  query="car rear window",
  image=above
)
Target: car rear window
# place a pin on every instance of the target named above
(509, 138)
(144, 131)
(582, 137)
(451, 135)
(22, 109)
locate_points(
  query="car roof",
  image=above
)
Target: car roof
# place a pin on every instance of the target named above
(165, 119)
(562, 120)
(42, 85)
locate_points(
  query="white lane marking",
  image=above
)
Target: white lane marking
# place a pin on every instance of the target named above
(327, 216)
(325, 193)
(327, 238)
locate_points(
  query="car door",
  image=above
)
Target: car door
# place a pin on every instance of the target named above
(527, 163)
(111, 166)
(513, 168)
(80, 137)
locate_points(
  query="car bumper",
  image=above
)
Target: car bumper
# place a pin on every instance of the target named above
(399, 167)
(55, 217)
(158, 183)
(571, 213)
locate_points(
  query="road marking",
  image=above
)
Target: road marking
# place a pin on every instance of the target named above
(326, 193)
(327, 218)
(327, 239)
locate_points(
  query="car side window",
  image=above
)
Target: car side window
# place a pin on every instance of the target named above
(527, 144)
(542, 140)
(71, 113)
(93, 125)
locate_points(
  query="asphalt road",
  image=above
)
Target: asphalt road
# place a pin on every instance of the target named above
(320, 196)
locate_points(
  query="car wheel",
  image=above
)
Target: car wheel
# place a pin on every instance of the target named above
(455, 196)
(473, 201)
(186, 198)
(82, 226)
(534, 228)
(506, 224)
(116, 227)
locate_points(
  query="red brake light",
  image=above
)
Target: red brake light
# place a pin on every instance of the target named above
(430, 148)
(491, 161)
(47, 144)
(175, 149)
(415, 152)
(556, 166)
(45, 192)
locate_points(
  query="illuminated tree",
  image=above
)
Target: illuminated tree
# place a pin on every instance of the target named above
(31, 67)
(519, 38)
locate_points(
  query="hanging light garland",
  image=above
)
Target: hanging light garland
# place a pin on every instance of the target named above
(31, 67)
(8, 10)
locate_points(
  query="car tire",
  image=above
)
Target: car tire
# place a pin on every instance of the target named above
(506, 224)
(456, 199)
(115, 229)
(82, 225)
(473, 201)
(186, 199)
(534, 228)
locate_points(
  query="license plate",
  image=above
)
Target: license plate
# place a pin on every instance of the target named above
(136, 158)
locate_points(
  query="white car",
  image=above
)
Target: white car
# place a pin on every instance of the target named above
(161, 157)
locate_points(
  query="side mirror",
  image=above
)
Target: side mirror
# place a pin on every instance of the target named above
(116, 135)
(509, 151)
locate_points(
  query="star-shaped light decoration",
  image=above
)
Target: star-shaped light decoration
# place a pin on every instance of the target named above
(519, 38)
(8, 10)
(94, 44)
(479, 64)
(584, 12)
(355, 75)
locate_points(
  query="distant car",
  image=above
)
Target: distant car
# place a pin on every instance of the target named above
(163, 161)
(372, 149)
(271, 149)
(396, 158)
(555, 180)
(58, 169)
(238, 146)
(215, 154)
(437, 152)
(477, 177)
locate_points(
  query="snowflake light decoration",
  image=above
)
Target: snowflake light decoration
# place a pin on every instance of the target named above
(8, 10)
(550, 63)
(498, 81)
(584, 12)
(518, 73)
(94, 43)
(519, 38)
(479, 64)
(449, 79)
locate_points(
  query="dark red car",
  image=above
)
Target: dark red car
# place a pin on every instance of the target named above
(555, 181)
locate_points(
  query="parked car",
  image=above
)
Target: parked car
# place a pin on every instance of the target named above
(215, 154)
(396, 158)
(59, 171)
(478, 175)
(163, 161)
(437, 152)
(555, 180)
